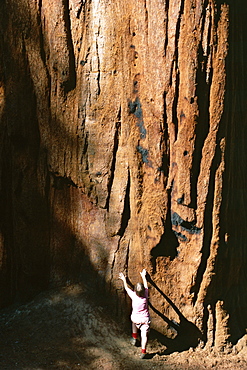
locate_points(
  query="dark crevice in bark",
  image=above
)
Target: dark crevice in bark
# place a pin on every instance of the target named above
(85, 147)
(60, 182)
(70, 83)
(40, 9)
(181, 11)
(84, 157)
(114, 156)
(175, 67)
(174, 106)
(79, 10)
(205, 324)
(214, 323)
(217, 8)
(208, 227)
(85, 162)
(177, 35)
(126, 211)
(168, 244)
(202, 126)
(146, 16)
(98, 72)
(43, 53)
(127, 262)
(166, 26)
(166, 145)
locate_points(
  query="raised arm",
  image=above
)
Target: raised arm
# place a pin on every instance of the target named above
(123, 278)
(143, 275)
(129, 291)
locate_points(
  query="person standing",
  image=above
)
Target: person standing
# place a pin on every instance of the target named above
(140, 314)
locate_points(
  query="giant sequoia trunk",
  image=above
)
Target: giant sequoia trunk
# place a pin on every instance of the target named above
(123, 147)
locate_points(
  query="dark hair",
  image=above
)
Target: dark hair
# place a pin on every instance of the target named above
(140, 290)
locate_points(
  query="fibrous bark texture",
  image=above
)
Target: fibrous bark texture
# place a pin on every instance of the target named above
(122, 148)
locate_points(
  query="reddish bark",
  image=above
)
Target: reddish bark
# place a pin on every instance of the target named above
(122, 134)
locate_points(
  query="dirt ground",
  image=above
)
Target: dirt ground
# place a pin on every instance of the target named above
(62, 329)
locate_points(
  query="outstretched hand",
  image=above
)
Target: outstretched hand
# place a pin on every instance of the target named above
(121, 276)
(143, 273)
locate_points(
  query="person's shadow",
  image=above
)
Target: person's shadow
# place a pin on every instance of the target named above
(188, 334)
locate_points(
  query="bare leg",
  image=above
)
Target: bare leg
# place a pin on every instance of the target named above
(133, 340)
(144, 339)
(134, 328)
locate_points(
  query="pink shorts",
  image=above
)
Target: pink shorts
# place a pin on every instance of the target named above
(145, 327)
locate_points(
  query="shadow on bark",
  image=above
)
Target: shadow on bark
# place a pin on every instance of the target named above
(188, 334)
(167, 247)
